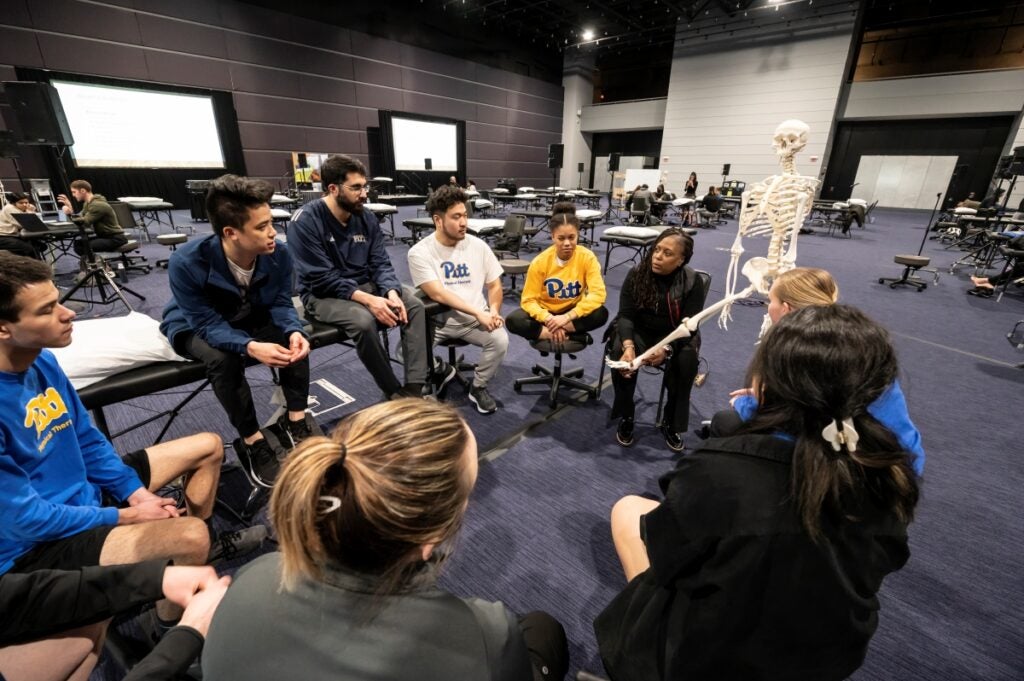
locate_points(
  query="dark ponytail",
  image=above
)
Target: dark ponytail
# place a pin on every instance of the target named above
(819, 366)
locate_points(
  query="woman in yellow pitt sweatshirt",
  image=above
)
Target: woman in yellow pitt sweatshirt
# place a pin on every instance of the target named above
(564, 293)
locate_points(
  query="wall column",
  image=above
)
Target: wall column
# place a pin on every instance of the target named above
(578, 86)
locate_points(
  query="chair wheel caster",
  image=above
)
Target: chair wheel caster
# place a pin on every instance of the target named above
(535, 371)
(881, 281)
(518, 388)
(552, 404)
(922, 288)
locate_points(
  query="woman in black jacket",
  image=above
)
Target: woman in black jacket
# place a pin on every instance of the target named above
(658, 294)
(766, 555)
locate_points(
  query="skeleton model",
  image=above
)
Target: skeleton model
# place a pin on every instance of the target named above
(775, 207)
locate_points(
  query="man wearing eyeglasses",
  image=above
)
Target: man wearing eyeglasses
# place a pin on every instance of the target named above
(346, 278)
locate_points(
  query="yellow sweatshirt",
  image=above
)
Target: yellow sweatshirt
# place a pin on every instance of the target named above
(551, 289)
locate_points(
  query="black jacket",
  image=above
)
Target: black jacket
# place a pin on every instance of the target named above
(736, 588)
(46, 602)
(679, 299)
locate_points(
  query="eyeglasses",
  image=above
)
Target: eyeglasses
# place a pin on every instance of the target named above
(357, 188)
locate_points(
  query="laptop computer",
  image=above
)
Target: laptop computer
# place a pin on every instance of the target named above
(31, 222)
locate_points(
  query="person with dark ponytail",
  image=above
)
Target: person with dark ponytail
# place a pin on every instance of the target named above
(363, 521)
(564, 293)
(657, 295)
(765, 558)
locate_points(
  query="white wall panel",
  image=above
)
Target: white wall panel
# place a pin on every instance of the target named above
(641, 114)
(723, 107)
(903, 181)
(950, 95)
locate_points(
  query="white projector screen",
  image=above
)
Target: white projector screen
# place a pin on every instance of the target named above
(415, 141)
(118, 127)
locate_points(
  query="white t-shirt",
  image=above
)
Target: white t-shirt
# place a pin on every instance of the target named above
(463, 269)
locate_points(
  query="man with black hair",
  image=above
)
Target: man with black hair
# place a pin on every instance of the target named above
(346, 279)
(232, 299)
(453, 267)
(56, 467)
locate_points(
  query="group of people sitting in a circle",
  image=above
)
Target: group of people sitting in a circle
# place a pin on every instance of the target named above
(762, 556)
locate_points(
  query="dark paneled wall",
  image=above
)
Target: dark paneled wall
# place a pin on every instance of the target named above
(297, 85)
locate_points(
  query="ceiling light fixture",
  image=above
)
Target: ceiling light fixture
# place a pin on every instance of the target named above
(588, 34)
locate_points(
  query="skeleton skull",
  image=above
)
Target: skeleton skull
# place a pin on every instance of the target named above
(790, 137)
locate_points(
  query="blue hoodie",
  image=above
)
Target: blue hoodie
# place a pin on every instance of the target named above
(54, 462)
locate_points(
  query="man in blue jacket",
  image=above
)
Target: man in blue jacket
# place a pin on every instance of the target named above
(346, 278)
(232, 299)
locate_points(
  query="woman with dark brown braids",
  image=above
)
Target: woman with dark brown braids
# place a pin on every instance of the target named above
(766, 555)
(362, 519)
(657, 295)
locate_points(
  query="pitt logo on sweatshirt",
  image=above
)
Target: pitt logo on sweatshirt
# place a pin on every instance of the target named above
(567, 290)
(42, 410)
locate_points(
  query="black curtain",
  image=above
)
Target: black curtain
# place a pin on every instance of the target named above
(632, 143)
(166, 183)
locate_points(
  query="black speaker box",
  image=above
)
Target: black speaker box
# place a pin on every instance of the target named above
(8, 145)
(428, 164)
(613, 162)
(726, 168)
(579, 167)
(39, 113)
(555, 152)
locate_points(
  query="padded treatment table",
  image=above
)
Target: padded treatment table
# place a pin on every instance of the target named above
(384, 210)
(637, 239)
(158, 376)
(149, 209)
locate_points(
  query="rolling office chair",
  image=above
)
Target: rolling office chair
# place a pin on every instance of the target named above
(138, 263)
(507, 246)
(639, 210)
(556, 376)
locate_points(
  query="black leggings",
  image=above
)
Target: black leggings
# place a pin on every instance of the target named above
(680, 372)
(522, 324)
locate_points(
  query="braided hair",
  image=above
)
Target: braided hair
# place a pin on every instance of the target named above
(563, 213)
(645, 286)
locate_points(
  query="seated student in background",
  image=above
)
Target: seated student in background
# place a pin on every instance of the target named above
(10, 229)
(661, 194)
(797, 289)
(453, 268)
(55, 621)
(986, 286)
(56, 466)
(712, 202)
(765, 558)
(364, 520)
(346, 277)
(96, 215)
(232, 298)
(564, 294)
(470, 185)
(656, 296)
(991, 199)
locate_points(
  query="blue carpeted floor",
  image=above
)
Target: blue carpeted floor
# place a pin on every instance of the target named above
(537, 536)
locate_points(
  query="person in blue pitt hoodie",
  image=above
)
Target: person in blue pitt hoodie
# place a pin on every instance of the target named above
(232, 300)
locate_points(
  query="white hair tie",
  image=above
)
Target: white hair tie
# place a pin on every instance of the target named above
(841, 433)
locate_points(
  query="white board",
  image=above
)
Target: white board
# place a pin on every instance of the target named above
(634, 177)
(903, 181)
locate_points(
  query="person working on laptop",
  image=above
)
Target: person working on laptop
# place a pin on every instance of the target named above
(10, 228)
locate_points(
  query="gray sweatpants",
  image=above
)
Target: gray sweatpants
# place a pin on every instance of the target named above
(493, 345)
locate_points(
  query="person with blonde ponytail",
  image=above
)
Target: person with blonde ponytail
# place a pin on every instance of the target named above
(766, 555)
(363, 520)
(794, 290)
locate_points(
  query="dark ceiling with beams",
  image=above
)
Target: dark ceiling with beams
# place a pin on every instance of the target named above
(633, 40)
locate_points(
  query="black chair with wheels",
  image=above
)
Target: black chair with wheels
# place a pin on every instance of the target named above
(507, 247)
(639, 210)
(912, 264)
(137, 263)
(458, 361)
(556, 376)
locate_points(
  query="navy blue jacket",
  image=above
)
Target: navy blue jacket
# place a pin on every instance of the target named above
(206, 295)
(333, 260)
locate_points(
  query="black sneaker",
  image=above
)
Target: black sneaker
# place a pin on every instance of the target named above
(294, 431)
(444, 373)
(673, 439)
(231, 545)
(485, 404)
(624, 435)
(258, 461)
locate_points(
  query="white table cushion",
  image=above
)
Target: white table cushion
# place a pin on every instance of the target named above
(380, 179)
(682, 202)
(963, 210)
(588, 213)
(281, 198)
(478, 224)
(280, 214)
(525, 190)
(499, 190)
(380, 207)
(526, 197)
(840, 205)
(858, 202)
(140, 199)
(483, 203)
(630, 233)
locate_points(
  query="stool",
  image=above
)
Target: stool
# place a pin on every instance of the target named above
(514, 267)
(555, 376)
(172, 240)
(453, 344)
(912, 265)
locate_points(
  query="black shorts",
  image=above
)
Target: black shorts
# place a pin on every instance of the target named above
(82, 549)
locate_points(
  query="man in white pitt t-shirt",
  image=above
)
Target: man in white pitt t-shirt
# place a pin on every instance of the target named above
(453, 268)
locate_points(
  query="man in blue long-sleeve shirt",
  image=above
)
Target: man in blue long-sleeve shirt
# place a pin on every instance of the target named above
(346, 278)
(55, 466)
